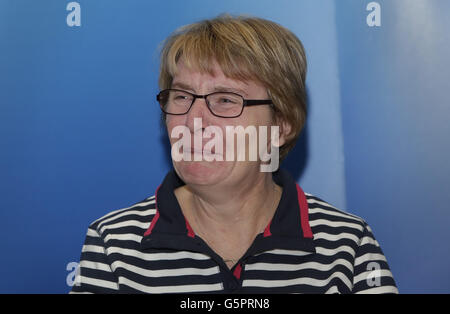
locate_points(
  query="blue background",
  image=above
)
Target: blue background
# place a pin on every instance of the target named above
(80, 133)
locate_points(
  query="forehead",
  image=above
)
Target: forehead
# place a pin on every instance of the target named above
(190, 77)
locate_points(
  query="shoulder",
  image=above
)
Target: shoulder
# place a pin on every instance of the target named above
(137, 216)
(345, 239)
(325, 218)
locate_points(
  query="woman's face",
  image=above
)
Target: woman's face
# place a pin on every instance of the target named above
(226, 172)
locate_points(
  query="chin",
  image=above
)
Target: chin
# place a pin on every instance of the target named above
(202, 172)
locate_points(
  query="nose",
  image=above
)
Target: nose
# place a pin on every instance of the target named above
(199, 109)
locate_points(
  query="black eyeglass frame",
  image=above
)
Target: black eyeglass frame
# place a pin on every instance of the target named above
(245, 102)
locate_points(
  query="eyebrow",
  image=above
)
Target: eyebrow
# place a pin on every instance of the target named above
(217, 88)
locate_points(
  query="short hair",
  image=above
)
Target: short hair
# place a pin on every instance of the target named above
(245, 48)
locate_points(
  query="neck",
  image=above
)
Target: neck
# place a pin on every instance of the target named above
(230, 220)
(234, 206)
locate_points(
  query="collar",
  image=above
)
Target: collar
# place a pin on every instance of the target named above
(289, 228)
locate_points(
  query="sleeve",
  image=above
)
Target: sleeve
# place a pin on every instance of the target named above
(371, 270)
(94, 273)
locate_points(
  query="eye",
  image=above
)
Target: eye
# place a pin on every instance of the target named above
(180, 96)
(228, 100)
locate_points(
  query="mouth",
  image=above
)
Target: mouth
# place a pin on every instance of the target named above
(202, 151)
(205, 153)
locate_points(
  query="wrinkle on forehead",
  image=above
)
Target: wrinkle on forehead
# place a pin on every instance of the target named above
(188, 78)
(232, 69)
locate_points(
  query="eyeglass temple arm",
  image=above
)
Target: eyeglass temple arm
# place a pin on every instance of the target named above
(257, 102)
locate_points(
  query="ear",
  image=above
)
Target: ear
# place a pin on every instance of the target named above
(284, 129)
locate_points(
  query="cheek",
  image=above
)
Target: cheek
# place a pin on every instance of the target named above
(173, 123)
(260, 115)
(256, 137)
(264, 123)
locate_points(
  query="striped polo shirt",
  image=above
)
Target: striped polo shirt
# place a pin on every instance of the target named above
(308, 247)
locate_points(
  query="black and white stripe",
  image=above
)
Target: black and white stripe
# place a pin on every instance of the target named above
(113, 259)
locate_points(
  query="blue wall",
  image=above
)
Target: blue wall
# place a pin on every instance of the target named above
(395, 112)
(80, 133)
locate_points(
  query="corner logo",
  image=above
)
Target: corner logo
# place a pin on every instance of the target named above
(374, 17)
(74, 17)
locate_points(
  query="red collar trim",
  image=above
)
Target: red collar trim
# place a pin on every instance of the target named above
(304, 215)
(303, 207)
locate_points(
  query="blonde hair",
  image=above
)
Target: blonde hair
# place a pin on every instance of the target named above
(246, 48)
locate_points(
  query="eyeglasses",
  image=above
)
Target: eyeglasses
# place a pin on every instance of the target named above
(220, 104)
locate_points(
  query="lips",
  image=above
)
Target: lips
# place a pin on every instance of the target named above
(198, 147)
(193, 150)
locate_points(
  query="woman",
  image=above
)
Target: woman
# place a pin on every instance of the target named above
(220, 224)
